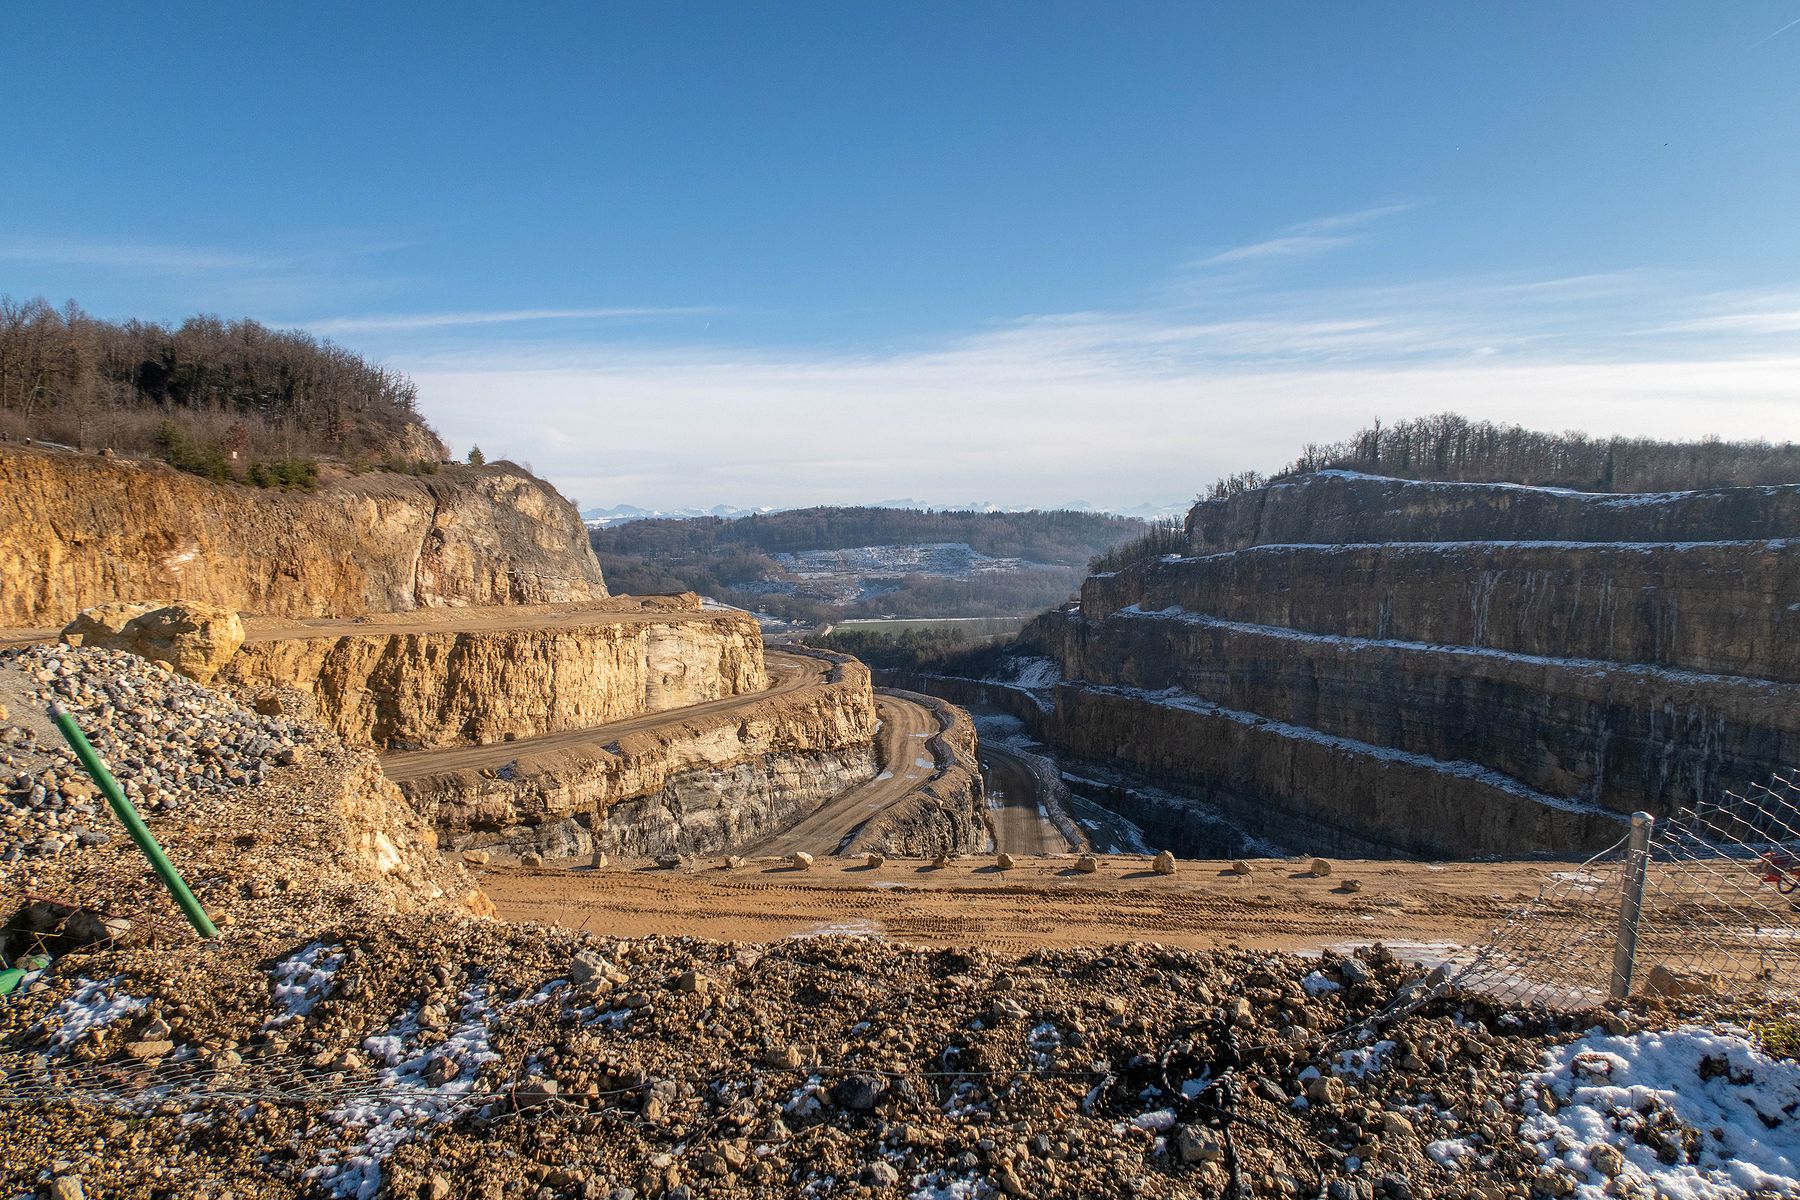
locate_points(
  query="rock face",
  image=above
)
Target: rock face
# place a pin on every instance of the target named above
(77, 531)
(693, 786)
(1435, 685)
(194, 638)
(396, 683)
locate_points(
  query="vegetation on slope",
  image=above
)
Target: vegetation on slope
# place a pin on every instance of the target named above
(1453, 448)
(216, 395)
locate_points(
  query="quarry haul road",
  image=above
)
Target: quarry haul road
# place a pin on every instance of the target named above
(1040, 904)
(903, 746)
(1020, 826)
(787, 673)
(612, 610)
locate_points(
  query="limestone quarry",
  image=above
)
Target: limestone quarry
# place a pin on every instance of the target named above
(525, 890)
(1389, 666)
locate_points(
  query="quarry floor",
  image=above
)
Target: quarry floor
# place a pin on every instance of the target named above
(1041, 903)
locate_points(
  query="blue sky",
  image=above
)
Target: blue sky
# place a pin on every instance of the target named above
(682, 253)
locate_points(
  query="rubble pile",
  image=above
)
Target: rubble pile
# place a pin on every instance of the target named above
(355, 1032)
(166, 738)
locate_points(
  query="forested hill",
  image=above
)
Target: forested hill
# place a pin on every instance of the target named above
(1043, 556)
(1451, 448)
(1064, 537)
(209, 390)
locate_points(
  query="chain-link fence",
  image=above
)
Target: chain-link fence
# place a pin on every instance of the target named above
(1705, 902)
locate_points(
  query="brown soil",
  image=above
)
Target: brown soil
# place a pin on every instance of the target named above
(1041, 904)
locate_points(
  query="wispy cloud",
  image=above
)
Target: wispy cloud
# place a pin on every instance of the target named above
(1114, 406)
(445, 320)
(1772, 36)
(1305, 238)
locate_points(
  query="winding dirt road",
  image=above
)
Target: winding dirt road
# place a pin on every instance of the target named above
(903, 744)
(787, 673)
(1019, 823)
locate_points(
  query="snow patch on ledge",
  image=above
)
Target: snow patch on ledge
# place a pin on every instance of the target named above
(1650, 671)
(1474, 772)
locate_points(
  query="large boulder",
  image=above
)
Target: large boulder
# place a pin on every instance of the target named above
(194, 638)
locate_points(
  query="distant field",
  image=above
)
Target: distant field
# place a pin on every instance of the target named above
(973, 626)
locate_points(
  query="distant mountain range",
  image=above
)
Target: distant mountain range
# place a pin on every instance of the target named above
(620, 514)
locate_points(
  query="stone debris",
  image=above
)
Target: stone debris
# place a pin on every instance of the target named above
(476, 858)
(1240, 867)
(800, 860)
(167, 740)
(1163, 864)
(1003, 861)
(875, 861)
(1319, 869)
(1351, 886)
(356, 1031)
(1087, 864)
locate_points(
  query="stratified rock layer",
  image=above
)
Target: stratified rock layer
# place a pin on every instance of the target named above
(705, 782)
(495, 675)
(1379, 665)
(78, 531)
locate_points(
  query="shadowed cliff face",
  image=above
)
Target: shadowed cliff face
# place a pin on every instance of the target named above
(1443, 669)
(78, 531)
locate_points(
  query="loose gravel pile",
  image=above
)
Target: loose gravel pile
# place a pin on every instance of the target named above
(353, 1032)
(167, 740)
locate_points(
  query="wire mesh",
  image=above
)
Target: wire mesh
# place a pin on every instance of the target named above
(1720, 911)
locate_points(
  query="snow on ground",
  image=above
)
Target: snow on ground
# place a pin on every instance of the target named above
(95, 1004)
(1686, 1114)
(301, 980)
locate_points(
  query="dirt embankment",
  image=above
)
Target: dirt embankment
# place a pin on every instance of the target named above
(78, 531)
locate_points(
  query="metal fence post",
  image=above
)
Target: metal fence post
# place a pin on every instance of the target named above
(1631, 904)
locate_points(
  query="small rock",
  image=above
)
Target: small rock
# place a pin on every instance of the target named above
(733, 861)
(1396, 1125)
(587, 967)
(535, 1093)
(1326, 1089)
(435, 1188)
(531, 858)
(859, 1092)
(269, 705)
(1606, 1159)
(1350, 885)
(1240, 867)
(599, 860)
(1319, 869)
(879, 1174)
(1087, 864)
(476, 858)
(693, 982)
(67, 1187)
(1004, 861)
(1667, 981)
(875, 861)
(149, 1050)
(668, 862)
(1196, 1143)
(1164, 864)
(800, 860)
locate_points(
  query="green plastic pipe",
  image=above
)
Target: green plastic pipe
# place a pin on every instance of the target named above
(134, 824)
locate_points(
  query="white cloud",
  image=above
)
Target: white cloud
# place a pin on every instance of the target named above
(1115, 407)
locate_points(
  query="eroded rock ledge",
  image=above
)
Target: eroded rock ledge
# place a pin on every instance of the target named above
(78, 531)
(477, 676)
